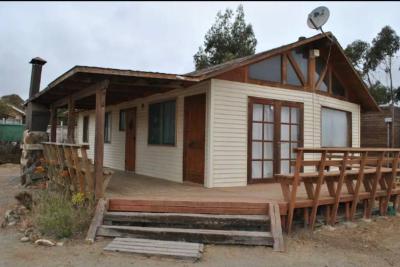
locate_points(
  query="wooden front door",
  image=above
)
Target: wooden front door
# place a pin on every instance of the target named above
(275, 128)
(130, 139)
(194, 138)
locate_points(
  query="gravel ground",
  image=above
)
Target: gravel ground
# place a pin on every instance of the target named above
(363, 244)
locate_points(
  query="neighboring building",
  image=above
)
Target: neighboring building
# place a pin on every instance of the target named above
(14, 115)
(376, 128)
(228, 125)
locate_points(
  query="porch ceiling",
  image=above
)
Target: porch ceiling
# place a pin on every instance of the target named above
(123, 85)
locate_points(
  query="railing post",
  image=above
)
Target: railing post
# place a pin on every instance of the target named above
(296, 179)
(53, 123)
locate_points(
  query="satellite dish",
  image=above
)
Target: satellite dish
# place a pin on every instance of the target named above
(318, 17)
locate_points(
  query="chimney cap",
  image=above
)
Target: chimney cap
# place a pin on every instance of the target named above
(38, 60)
(301, 38)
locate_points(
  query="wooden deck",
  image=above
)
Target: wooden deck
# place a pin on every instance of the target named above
(132, 192)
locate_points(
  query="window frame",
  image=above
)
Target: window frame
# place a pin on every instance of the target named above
(349, 125)
(162, 124)
(109, 124)
(85, 130)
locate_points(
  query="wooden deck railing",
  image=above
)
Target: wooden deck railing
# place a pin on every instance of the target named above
(375, 169)
(70, 167)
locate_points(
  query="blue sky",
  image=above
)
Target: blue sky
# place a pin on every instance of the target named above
(157, 36)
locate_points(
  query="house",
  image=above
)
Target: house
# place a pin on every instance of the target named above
(376, 128)
(229, 125)
(14, 115)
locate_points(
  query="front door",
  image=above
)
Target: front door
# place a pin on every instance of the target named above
(275, 128)
(194, 138)
(130, 139)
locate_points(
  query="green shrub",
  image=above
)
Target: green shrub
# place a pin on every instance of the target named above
(54, 214)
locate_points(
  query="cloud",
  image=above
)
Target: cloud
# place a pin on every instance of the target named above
(155, 36)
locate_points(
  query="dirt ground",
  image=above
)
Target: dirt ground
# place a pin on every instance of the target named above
(375, 243)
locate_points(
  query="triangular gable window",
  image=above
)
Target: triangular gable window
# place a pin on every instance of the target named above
(301, 58)
(267, 70)
(292, 77)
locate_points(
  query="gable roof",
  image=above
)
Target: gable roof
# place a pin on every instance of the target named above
(358, 86)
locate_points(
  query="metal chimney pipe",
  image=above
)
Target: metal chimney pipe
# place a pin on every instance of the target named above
(36, 74)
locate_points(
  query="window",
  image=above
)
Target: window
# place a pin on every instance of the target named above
(85, 135)
(301, 58)
(292, 77)
(319, 69)
(107, 127)
(335, 128)
(162, 123)
(122, 120)
(267, 70)
(275, 129)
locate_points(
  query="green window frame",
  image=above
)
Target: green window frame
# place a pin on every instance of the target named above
(162, 123)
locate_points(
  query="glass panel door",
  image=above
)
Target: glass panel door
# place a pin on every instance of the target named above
(289, 137)
(262, 141)
(275, 128)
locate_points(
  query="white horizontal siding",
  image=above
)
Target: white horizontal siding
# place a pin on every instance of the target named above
(152, 160)
(228, 124)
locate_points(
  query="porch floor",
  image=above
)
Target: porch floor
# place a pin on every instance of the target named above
(134, 186)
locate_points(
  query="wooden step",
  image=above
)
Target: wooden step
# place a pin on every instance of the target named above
(189, 235)
(189, 220)
(156, 247)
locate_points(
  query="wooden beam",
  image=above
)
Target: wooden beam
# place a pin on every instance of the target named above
(360, 179)
(99, 139)
(90, 90)
(318, 186)
(96, 221)
(338, 192)
(53, 123)
(71, 120)
(296, 179)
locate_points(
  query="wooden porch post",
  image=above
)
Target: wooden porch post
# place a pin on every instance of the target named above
(99, 141)
(71, 120)
(53, 122)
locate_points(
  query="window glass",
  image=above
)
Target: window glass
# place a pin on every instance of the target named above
(257, 150)
(301, 58)
(122, 120)
(319, 69)
(257, 112)
(267, 70)
(334, 128)
(337, 88)
(162, 123)
(107, 127)
(292, 77)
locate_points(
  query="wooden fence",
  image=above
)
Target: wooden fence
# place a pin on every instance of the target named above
(69, 167)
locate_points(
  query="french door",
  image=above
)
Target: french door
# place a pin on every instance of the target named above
(275, 128)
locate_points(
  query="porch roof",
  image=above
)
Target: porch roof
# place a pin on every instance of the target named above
(123, 85)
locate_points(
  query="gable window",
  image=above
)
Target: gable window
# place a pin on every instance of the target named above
(267, 70)
(301, 58)
(162, 123)
(107, 127)
(335, 128)
(122, 120)
(292, 77)
(320, 72)
(85, 135)
(337, 88)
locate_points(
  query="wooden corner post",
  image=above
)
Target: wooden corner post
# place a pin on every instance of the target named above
(53, 122)
(71, 120)
(99, 139)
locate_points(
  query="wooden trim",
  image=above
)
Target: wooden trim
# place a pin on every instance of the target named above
(71, 120)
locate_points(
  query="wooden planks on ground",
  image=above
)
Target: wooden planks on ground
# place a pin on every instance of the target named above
(96, 221)
(157, 247)
(190, 235)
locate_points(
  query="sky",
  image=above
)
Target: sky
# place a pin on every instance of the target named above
(157, 36)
